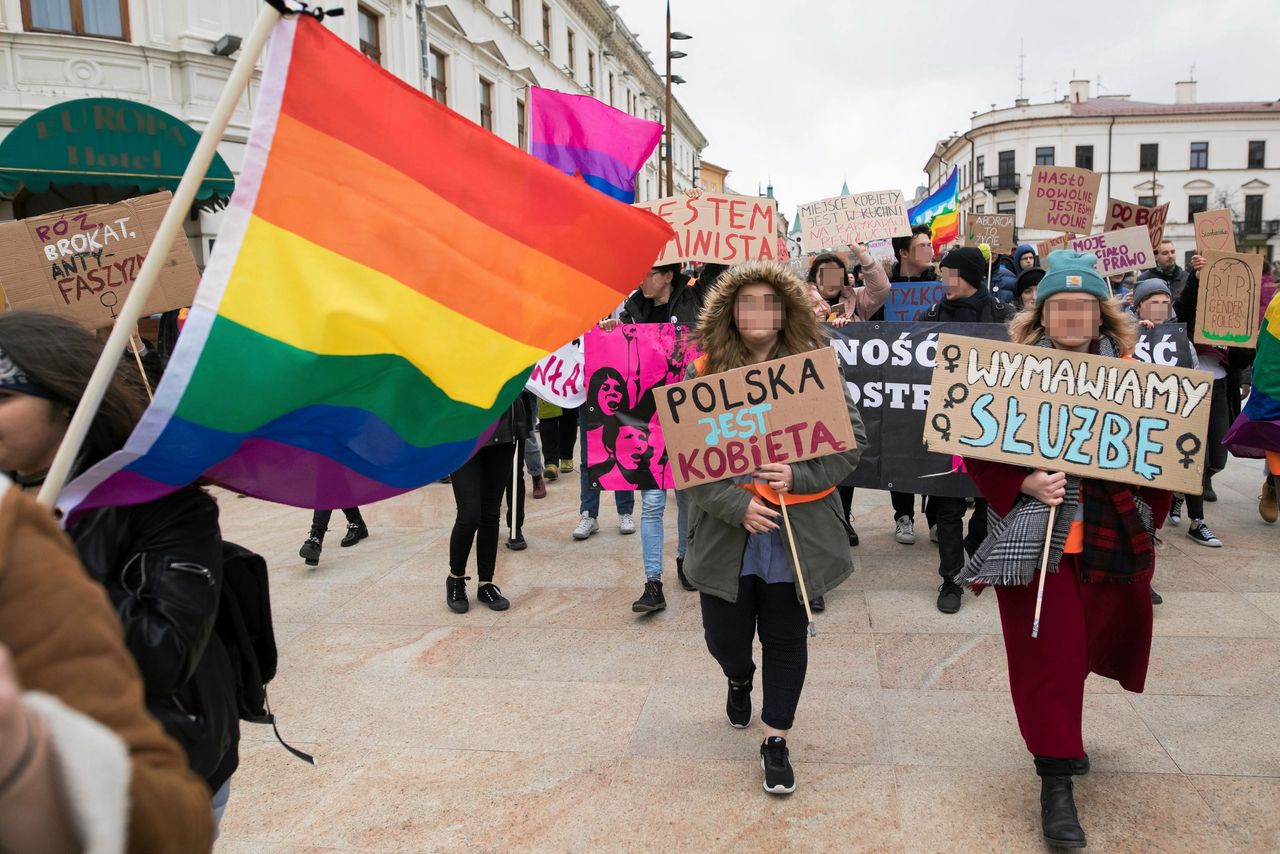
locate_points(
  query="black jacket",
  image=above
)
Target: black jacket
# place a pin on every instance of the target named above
(516, 422)
(684, 304)
(1239, 359)
(895, 274)
(987, 309)
(161, 565)
(1176, 279)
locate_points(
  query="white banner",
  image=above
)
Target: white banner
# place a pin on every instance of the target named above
(558, 377)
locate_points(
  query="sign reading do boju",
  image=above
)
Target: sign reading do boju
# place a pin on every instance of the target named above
(1092, 416)
(783, 411)
(1062, 198)
(717, 228)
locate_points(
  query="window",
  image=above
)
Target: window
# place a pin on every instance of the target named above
(370, 33)
(522, 130)
(591, 70)
(439, 82)
(1148, 157)
(546, 27)
(1146, 201)
(517, 15)
(1253, 214)
(1195, 205)
(610, 88)
(980, 209)
(1006, 163)
(573, 61)
(103, 18)
(486, 104)
(1044, 155)
(1084, 156)
(980, 166)
(1199, 155)
(1006, 207)
(1258, 154)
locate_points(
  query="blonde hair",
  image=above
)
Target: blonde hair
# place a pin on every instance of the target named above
(717, 334)
(1116, 323)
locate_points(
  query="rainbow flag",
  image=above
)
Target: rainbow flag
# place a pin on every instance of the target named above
(940, 211)
(387, 274)
(1257, 427)
(582, 136)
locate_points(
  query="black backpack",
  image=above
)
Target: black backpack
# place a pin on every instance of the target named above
(245, 628)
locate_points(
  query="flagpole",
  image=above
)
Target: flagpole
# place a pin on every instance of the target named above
(169, 230)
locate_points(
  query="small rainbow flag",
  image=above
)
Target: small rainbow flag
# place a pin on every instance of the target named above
(940, 212)
(387, 274)
(582, 136)
(1257, 427)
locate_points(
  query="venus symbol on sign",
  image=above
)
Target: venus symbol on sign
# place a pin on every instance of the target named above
(951, 355)
(958, 393)
(1188, 453)
(942, 424)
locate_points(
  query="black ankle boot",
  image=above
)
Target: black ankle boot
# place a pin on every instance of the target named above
(1058, 817)
(310, 551)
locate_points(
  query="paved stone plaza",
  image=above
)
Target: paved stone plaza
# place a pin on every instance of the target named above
(569, 724)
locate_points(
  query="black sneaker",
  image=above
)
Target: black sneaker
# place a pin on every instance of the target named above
(1201, 534)
(1175, 512)
(817, 604)
(775, 760)
(356, 531)
(949, 594)
(1156, 598)
(684, 582)
(489, 594)
(455, 593)
(737, 707)
(651, 600)
(853, 538)
(310, 551)
(517, 543)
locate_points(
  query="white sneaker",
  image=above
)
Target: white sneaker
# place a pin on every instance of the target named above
(905, 532)
(626, 524)
(586, 526)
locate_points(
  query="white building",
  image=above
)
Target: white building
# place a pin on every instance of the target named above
(1195, 156)
(475, 56)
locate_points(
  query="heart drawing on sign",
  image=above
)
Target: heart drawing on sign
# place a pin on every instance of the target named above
(1215, 234)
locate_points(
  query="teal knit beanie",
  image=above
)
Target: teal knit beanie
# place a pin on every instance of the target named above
(1072, 272)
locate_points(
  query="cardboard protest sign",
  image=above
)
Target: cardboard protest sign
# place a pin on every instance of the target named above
(1044, 247)
(1166, 344)
(1092, 416)
(82, 262)
(1126, 215)
(907, 299)
(889, 368)
(560, 377)
(625, 445)
(1214, 231)
(856, 218)
(1062, 198)
(995, 230)
(718, 228)
(1228, 308)
(783, 411)
(1121, 251)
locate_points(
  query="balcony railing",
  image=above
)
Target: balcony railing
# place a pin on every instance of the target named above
(995, 183)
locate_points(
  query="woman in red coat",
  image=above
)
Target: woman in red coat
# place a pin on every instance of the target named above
(1096, 613)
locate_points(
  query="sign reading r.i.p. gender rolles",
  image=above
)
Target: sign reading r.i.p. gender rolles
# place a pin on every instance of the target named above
(727, 424)
(1092, 416)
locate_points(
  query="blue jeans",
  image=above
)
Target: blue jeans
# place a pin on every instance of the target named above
(589, 502)
(533, 455)
(220, 799)
(651, 529)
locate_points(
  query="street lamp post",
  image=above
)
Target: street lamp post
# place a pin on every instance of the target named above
(671, 186)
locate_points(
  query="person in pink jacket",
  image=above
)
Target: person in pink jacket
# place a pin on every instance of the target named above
(835, 300)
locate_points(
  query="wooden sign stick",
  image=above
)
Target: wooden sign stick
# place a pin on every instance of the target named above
(795, 561)
(515, 481)
(137, 357)
(1044, 569)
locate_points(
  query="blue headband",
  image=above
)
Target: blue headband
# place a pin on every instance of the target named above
(14, 378)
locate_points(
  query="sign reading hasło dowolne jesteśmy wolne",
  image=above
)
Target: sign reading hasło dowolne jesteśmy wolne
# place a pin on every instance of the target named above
(1092, 416)
(1062, 198)
(717, 228)
(727, 424)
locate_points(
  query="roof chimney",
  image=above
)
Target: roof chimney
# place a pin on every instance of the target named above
(1079, 91)
(1184, 92)
(1021, 102)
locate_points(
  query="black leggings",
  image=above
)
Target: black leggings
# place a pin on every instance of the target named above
(948, 514)
(320, 518)
(477, 490)
(558, 436)
(730, 628)
(904, 504)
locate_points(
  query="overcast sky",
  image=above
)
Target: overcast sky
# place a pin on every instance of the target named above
(812, 92)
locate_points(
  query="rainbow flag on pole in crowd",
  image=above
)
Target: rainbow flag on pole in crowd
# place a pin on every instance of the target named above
(1257, 428)
(580, 135)
(387, 274)
(939, 211)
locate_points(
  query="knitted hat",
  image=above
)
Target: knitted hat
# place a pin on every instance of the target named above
(1072, 272)
(968, 262)
(1148, 288)
(1028, 278)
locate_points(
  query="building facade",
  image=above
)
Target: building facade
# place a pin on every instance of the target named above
(477, 57)
(1195, 156)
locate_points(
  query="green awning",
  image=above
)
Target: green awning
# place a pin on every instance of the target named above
(106, 141)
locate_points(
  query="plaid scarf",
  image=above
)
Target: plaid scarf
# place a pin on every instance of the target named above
(1119, 540)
